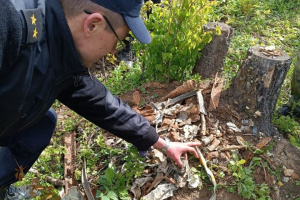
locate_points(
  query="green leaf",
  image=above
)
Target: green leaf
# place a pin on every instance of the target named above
(109, 174)
(242, 161)
(112, 195)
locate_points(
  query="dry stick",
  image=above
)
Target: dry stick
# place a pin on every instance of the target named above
(203, 125)
(269, 161)
(159, 179)
(202, 112)
(49, 179)
(233, 147)
(263, 169)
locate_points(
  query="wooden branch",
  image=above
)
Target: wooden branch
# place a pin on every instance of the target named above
(233, 147)
(49, 179)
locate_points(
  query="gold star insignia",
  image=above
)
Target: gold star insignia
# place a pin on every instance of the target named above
(35, 33)
(33, 19)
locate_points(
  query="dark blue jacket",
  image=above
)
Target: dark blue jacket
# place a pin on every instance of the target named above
(35, 73)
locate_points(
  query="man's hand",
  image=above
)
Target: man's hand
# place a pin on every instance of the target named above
(176, 149)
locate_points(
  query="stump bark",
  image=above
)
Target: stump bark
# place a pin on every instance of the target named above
(256, 87)
(214, 53)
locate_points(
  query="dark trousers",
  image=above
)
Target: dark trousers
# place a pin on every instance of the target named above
(25, 147)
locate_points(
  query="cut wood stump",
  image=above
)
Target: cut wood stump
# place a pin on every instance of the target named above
(256, 87)
(214, 53)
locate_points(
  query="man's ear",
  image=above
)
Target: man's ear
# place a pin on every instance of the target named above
(93, 22)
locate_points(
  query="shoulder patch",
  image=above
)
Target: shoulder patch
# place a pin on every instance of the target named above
(34, 24)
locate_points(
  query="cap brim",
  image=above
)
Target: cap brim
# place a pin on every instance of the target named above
(138, 28)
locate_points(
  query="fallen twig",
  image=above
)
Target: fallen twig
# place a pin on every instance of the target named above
(202, 112)
(264, 169)
(233, 147)
(203, 125)
(268, 161)
(51, 180)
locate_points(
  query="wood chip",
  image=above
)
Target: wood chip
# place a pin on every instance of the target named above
(215, 143)
(136, 98)
(215, 93)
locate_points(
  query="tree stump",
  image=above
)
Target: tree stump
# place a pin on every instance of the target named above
(214, 53)
(256, 87)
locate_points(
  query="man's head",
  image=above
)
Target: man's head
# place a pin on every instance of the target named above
(92, 34)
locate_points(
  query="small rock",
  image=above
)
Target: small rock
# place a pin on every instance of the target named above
(257, 114)
(295, 176)
(288, 172)
(285, 179)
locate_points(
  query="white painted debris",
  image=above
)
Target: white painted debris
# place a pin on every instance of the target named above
(136, 186)
(159, 155)
(185, 170)
(233, 127)
(162, 191)
(194, 181)
(206, 140)
(285, 179)
(190, 131)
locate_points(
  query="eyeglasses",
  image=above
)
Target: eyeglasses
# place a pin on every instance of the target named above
(110, 26)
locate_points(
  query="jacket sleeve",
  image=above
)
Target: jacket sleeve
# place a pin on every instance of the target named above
(92, 100)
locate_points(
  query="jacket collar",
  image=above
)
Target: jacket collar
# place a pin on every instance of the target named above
(62, 51)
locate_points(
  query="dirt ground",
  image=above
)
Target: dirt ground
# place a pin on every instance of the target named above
(283, 156)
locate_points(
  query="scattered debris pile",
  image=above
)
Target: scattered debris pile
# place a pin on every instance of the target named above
(186, 114)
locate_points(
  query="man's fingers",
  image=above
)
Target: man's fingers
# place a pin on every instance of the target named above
(193, 144)
(193, 151)
(179, 162)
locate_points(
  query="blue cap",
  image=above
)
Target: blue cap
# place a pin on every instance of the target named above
(130, 10)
